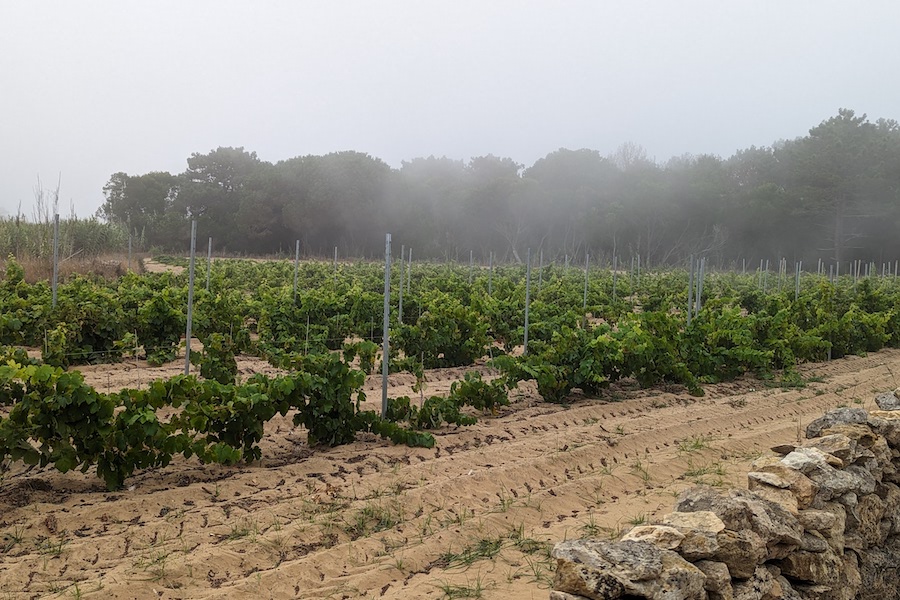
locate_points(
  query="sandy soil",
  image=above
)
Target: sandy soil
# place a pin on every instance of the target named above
(472, 517)
(151, 266)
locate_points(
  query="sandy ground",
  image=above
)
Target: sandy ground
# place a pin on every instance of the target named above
(473, 517)
(151, 266)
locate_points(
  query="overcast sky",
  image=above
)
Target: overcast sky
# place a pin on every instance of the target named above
(91, 88)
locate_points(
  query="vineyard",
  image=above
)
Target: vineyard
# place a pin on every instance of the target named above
(307, 476)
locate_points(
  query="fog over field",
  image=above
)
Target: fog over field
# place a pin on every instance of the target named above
(92, 89)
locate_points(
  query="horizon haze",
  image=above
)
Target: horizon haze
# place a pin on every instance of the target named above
(94, 89)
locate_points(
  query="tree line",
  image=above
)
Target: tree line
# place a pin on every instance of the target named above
(832, 194)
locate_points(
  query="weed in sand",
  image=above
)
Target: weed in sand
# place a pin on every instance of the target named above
(641, 470)
(49, 547)
(276, 523)
(527, 545)
(710, 474)
(426, 527)
(398, 563)
(533, 502)
(516, 532)
(471, 589)
(694, 443)
(591, 529)
(11, 538)
(374, 517)
(462, 516)
(541, 572)
(505, 501)
(638, 519)
(277, 545)
(483, 549)
(595, 496)
(154, 563)
(242, 529)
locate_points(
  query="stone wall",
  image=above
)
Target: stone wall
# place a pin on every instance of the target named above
(820, 521)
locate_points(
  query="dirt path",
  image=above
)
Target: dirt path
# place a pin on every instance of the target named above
(473, 517)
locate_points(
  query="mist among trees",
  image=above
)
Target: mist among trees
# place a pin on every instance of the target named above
(832, 194)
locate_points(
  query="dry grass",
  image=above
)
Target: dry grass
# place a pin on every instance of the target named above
(107, 266)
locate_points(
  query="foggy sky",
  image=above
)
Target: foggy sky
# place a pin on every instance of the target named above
(91, 88)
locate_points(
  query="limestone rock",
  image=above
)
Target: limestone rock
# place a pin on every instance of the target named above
(777, 494)
(783, 449)
(836, 417)
(557, 595)
(822, 568)
(813, 541)
(787, 589)
(660, 536)
(890, 495)
(743, 510)
(888, 401)
(770, 479)
(742, 551)
(865, 482)
(816, 520)
(718, 579)
(882, 453)
(760, 586)
(814, 592)
(850, 574)
(878, 572)
(861, 433)
(703, 520)
(606, 571)
(835, 535)
(834, 444)
(699, 545)
(867, 516)
(801, 486)
(832, 483)
(808, 459)
(886, 423)
(865, 448)
(852, 536)
(699, 529)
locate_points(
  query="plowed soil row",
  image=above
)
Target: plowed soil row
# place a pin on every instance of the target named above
(473, 517)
